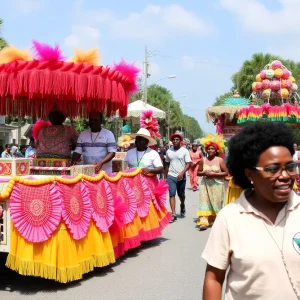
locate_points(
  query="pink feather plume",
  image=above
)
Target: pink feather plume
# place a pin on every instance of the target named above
(38, 126)
(148, 121)
(130, 71)
(45, 52)
(119, 221)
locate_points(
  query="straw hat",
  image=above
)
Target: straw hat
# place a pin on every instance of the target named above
(143, 132)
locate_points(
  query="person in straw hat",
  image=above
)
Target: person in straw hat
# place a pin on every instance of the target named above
(142, 156)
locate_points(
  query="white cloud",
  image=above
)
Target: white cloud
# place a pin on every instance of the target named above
(255, 17)
(154, 23)
(26, 6)
(83, 36)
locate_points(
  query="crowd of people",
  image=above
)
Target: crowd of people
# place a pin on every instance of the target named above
(16, 151)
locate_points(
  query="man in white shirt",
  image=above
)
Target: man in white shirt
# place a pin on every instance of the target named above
(178, 161)
(96, 145)
(142, 156)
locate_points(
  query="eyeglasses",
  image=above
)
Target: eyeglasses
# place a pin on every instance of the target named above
(276, 171)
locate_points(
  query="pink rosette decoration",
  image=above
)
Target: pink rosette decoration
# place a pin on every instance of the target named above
(35, 211)
(266, 84)
(276, 64)
(102, 204)
(286, 74)
(125, 192)
(161, 193)
(263, 74)
(142, 194)
(77, 210)
(275, 85)
(153, 183)
(119, 220)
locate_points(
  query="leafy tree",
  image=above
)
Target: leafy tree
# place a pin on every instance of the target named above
(3, 42)
(220, 100)
(250, 68)
(191, 127)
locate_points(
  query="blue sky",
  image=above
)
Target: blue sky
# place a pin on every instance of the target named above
(202, 42)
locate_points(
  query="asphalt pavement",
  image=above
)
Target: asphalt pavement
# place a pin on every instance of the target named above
(167, 268)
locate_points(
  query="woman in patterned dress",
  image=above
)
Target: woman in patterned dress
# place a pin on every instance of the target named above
(212, 192)
(56, 140)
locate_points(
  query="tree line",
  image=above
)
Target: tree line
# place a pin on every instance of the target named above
(161, 98)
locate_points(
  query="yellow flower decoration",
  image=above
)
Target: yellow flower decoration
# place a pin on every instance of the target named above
(217, 139)
(123, 141)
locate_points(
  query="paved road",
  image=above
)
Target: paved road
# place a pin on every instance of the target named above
(168, 268)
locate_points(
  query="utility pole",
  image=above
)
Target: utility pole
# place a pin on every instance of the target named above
(146, 74)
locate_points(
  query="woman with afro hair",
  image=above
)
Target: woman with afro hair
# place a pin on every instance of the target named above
(258, 236)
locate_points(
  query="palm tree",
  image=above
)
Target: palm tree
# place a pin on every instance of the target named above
(249, 70)
(3, 42)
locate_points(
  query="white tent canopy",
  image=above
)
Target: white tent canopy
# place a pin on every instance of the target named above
(136, 108)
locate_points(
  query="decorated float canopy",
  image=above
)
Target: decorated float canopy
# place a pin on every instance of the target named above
(276, 87)
(31, 82)
(224, 116)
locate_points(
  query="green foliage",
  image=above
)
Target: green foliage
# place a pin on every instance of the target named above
(220, 100)
(3, 42)
(192, 129)
(161, 98)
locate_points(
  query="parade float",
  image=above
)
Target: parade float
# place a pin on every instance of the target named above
(274, 97)
(225, 117)
(62, 225)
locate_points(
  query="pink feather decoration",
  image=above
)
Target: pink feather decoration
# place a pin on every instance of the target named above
(130, 71)
(45, 52)
(40, 124)
(148, 121)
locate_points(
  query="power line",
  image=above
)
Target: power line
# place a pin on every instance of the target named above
(195, 61)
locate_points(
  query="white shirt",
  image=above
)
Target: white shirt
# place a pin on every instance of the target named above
(143, 159)
(94, 146)
(242, 238)
(177, 159)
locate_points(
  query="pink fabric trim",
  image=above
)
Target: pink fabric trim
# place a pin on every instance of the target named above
(165, 221)
(152, 234)
(102, 204)
(125, 192)
(77, 209)
(37, 214)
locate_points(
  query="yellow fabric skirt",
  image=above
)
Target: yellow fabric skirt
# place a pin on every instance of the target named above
(233, 193)
(60, 258)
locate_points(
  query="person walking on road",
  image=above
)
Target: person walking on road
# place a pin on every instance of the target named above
(196, 157)
(178, 161)
(257, 237)
(212, 191)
